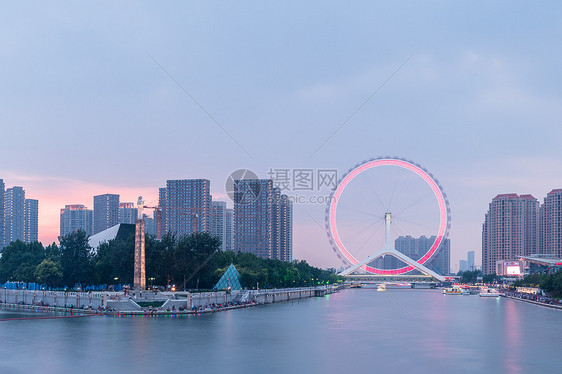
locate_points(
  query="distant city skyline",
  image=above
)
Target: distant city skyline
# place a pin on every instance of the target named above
(122, 98)
(19, 216)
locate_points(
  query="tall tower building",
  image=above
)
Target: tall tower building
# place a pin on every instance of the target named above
(218, 222)
(282, 227)
(229, 227)
(14, 222)
(106, 212)
(415, 248)
(150, 225)
(441, 260)
(470, 257)
(2, 187)
(186, 206)
(551, 224)
(76, 217)
(407, 245)
(263, 222)
(510, 229)
(253, 216)
(128, 213)
(31, 221)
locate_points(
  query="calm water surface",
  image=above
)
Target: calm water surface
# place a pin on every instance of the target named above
(357, 331)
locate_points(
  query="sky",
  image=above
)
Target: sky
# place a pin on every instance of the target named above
(119, 96)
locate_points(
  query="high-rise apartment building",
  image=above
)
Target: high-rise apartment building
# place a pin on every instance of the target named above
(218, 222)
(282, 227)
(440, 262)
(229, 227)
(415, 248)
(128, 213)
(2, 188)
(510, 229)
(14, 222)
(470, 257)
(463, 265)
(186, 206)
(150, 225)
(19, 217)
(262, 220)
(550, 227)
(31, 221)
(253, 216)
(106, 212)
(76, 217)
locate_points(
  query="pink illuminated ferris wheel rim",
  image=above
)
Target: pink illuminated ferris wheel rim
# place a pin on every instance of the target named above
(443, 203)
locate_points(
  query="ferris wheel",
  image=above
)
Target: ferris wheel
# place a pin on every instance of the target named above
(352, 211)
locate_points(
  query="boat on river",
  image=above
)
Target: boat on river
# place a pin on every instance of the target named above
(456, 290)
(489, 292)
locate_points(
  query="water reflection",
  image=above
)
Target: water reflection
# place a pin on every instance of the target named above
(513, 348)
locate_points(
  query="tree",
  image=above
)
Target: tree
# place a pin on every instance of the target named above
(115, 259)
(52, 252)
(490, 278)
(159, 256)
(19, 260)
(75, 258)
(470, 276)
(48, 272)
(195, 262)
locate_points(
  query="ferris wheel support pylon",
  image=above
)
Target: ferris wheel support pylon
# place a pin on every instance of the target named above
(388, 249)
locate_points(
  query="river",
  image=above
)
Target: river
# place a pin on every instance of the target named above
(353, 331)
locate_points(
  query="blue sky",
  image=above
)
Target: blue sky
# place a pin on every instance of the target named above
(85, 109)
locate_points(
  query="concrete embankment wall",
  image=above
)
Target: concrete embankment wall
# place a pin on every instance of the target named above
(288, 294)
(553, 306)
(52, 298)
(120, 302)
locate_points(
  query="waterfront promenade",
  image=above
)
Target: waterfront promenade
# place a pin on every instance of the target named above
(152, 303)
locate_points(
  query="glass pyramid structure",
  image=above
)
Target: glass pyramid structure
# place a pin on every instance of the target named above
(229, 280)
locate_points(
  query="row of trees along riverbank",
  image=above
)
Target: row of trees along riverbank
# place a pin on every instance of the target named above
(550, 283)
(195, 261)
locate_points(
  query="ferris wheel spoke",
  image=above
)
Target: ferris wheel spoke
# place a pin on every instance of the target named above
(398, 229)
(362, 211)
(374, 190)
(416, 202)
(364, 229)
(368, 240)
(392, 192)
(416, 224)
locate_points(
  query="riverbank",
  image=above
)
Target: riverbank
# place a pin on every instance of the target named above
(553, 306)
(177, 304)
